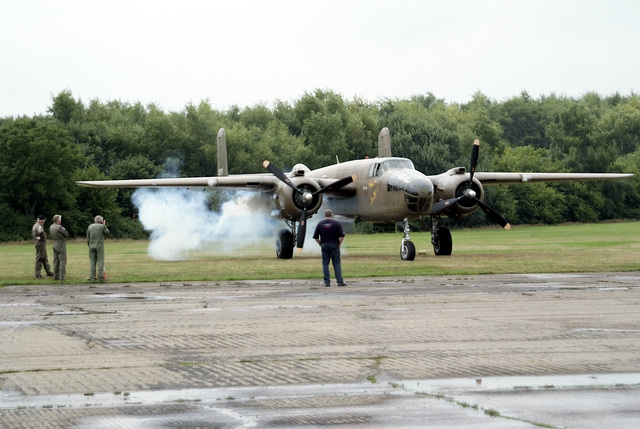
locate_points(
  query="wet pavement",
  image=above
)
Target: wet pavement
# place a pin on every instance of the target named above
(508, 351)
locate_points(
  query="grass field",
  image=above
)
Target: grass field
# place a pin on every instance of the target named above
(526, 249)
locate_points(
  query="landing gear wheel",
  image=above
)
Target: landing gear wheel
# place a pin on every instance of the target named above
(408, 251)
(442, 243)
(284, 244)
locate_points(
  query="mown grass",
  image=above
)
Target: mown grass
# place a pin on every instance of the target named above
(525, 249)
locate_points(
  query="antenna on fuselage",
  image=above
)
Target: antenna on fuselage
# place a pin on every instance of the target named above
(223, 168)
(384, 143)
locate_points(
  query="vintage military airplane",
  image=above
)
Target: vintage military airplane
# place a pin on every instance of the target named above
(381, 189)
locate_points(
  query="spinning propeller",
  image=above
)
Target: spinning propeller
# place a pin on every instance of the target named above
(470, 194)
(306, 197)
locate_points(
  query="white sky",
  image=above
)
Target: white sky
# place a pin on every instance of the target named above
(251, 52)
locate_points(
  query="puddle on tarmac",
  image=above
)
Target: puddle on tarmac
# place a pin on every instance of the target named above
(14, 400)
(18, 323)
(603, 330)
(522, 382)
(19, 304)
(254, 308)
(122, 343)
(69, 313)
(133, 297)
(274, 307)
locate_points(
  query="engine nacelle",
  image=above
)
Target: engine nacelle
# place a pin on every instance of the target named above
(453, 184)
(291, 203)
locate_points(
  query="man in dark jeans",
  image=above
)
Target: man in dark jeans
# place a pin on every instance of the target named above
(329, 235)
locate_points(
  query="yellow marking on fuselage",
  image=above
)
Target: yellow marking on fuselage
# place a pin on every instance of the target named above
(375, 191)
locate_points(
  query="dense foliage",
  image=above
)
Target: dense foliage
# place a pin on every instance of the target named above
(42, 156)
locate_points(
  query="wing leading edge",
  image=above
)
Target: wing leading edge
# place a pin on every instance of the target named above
(490, 179)
(258, 182)
(239, 181)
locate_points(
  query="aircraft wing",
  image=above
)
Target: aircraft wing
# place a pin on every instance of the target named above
(263, 182)
(257, 182)
(490, 179)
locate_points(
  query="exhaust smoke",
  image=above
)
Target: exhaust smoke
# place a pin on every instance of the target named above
(181, 222)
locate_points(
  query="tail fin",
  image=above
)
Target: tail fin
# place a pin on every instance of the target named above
(384, 143)
(223, 169)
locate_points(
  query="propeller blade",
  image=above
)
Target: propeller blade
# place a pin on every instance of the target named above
(280, 175)
(493, 215)
(302, 230)
(440, 206)
(336, 185)
(474, 160)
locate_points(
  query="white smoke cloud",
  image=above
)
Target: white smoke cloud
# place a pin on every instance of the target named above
(180, 221)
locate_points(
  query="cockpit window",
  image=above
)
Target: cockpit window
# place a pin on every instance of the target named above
(379, 168)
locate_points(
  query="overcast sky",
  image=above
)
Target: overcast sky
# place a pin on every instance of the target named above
(236, 52)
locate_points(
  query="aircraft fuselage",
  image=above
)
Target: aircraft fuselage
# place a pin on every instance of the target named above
(386, 189)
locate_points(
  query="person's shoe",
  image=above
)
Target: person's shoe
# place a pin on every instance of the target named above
(342, 284)
(49, 274)
(91, 280)
(327, 284)
(56, 279)
(39, 276)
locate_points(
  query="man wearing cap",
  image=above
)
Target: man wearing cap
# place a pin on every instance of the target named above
(40, 237)
(329, 234)
(96, 233)
(59, 235)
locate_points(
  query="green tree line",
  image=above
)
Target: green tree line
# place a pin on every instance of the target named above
(42, 156)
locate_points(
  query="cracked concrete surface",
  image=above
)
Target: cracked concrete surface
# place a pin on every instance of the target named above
(296, 354)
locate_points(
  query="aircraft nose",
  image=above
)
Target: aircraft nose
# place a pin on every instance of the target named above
(422, 188)
(412, 182)
(417, 187)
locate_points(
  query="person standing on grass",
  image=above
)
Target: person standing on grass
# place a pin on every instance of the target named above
(59, 234)
(329, 234)
(96, 233)
(40, 237)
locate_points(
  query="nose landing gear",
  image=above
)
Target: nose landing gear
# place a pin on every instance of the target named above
(407, 248)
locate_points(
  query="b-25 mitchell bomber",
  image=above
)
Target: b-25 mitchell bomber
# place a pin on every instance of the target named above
(381, 189)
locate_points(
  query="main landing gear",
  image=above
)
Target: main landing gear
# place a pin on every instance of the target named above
(286, 241)
(440, 239)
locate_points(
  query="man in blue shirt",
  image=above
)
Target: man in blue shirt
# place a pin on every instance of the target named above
(329, 234)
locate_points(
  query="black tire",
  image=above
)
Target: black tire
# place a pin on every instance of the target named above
(284, 244)
(442, 243)
(408, 251)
